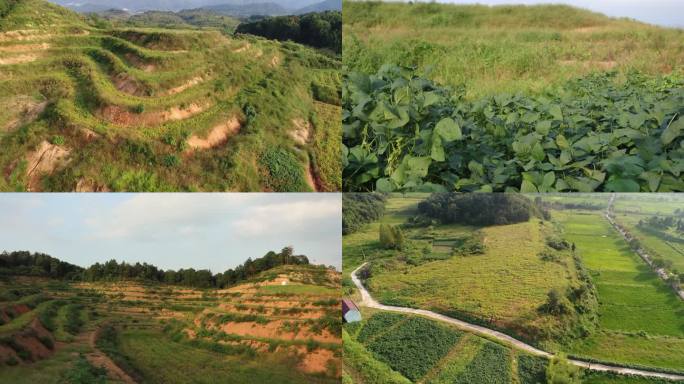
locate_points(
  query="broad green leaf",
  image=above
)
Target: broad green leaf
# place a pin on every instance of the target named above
(437, 150)
(555, 111)
(528, 187)
(543, 127)
(562, 142)
(448, 129)
(673, 131)
(622, 185)
(384, 185)
(549, 179)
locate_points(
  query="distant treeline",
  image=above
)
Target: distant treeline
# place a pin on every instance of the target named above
(481, 208)
(359, 209)
(319, 30)
(25, 263)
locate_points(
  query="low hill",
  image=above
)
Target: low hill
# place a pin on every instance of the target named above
(247, 10)
(281, 322)
(327, 5)
(91, 107)
(320, 30)
(506, 48)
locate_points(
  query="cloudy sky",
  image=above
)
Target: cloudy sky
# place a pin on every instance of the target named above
(213, 231)
(662, 12)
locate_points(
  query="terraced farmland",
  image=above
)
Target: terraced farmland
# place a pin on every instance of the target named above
(149, 109)
(282, 326)
(641, 319)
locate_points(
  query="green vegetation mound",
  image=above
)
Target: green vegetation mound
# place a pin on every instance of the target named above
(87, 105)
(479, 209)
(359, 209)
(320, 30)
(403, 132)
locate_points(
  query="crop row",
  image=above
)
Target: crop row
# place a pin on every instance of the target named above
(404, 133)
(414, 346)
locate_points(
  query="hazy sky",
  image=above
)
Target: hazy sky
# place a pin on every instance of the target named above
(662, 12)
(214, 231)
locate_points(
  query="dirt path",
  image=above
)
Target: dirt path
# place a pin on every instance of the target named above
(100, 359)
(368, 301)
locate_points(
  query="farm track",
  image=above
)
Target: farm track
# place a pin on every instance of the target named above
(368, 301)
(100, 359)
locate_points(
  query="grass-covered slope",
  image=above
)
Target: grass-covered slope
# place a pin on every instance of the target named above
(503, 48)
(283, 326)
(144, 109)
(496, 275)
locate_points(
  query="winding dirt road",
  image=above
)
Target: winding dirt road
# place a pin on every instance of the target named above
(368, 301)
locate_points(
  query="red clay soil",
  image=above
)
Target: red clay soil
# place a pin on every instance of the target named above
(20, 309)
(319, 360)
(122, 116)
(217, 136)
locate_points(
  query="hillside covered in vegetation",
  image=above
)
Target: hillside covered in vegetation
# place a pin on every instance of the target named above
(530, 99)
(86, 107)
(280, 323)
(24, 263)
(320, 30)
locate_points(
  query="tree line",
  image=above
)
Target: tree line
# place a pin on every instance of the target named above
(319, 30)
(481, 209)
(359, 209)
(39, 264)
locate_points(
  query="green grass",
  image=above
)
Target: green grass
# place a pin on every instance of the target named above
(299, 289)
(507, 49)
(138, 72)
(161, 360)
(506, 285)
(641, 320)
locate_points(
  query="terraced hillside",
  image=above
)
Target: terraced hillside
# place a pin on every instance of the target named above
(281, 326)
(149, 109)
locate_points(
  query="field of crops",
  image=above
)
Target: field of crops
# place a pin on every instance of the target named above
(509, 98)
(641, 319)
(282, 325)
(98, 108)
(383, 347)
(404, 133)
(423, 350)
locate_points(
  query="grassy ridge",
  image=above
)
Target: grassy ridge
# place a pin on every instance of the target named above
(145, 91)
(503, 48)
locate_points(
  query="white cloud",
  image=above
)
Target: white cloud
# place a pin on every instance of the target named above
(287, 217)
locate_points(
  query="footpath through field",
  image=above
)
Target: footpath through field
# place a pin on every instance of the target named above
(368, 301)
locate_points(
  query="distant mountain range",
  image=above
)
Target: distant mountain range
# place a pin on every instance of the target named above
(237, 8)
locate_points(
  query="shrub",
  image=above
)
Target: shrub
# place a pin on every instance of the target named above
(284, 171)
(140, 108)
(11, 361)
(57, 140)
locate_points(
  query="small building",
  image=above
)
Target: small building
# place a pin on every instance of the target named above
(350, 312)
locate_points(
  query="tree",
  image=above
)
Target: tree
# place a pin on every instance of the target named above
(560, 371)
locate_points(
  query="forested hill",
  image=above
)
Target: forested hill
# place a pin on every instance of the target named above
(319, 30)
(24, 263)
